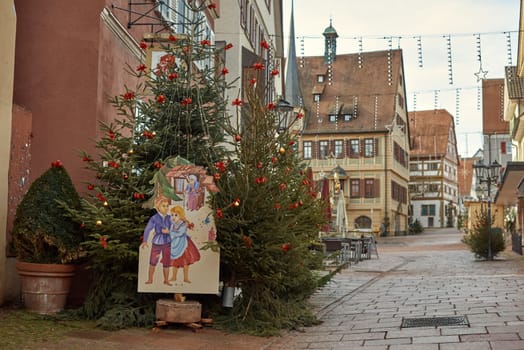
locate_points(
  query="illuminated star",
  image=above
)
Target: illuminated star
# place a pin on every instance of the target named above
(481, 74)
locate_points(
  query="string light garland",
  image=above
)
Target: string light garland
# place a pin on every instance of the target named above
(457, 106)
(360, 50)
(355, 106)
(376, 112)
(479, 97)
(302, 52)
(450, 59)
(501, 102)
(390, 72)
(509, 49)
(481, 74)
(435, 99)
(419, 51)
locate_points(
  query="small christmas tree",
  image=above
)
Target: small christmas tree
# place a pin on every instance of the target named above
(266, 215)
(478, 239)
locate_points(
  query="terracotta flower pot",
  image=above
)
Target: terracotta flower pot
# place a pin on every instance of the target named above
(45, 287)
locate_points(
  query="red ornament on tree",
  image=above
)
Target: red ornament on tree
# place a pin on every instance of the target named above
(285, 247)
(247, 241)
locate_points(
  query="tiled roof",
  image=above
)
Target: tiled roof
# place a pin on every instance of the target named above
(515, 84)
(368, 92)
(429, 132)
(493, 107)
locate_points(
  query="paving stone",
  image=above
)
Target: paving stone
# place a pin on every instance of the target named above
(466, 346)
(507, 345)
(436, 339)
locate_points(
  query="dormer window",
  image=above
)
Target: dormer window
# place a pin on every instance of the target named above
(332, 118)
(320, 78)
(347, 117)
(316, 97)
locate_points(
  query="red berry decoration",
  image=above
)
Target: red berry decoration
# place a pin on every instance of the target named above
(56, 164)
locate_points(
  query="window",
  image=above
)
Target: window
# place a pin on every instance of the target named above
(320, 78)
(355, 188)
(363, 222)
(413, 166)
(339, 148)
(176, 13)
(347, 117)
(316, 97)
(433, 166)
(399, 193)
(332, 118)
(369, 148)
(369, 185)
(427, 210)
(324, 147)
(354, 148)
(401, 100)
(307, 149)
(243, 13)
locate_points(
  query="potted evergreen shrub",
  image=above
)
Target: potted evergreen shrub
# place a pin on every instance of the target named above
(45, 241)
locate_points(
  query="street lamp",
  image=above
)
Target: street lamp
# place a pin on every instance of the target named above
(488, 174)
(285, 113)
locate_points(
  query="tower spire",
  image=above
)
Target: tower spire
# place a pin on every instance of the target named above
(292, 91)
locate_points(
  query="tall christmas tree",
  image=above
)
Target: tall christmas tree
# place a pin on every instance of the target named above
(267, 215)
(176, 109)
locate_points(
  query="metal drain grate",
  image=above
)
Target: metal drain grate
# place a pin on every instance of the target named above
(434, 321)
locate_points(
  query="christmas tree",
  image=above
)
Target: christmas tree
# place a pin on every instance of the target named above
(176, 109)
(267, 216)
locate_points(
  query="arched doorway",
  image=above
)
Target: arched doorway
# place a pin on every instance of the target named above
(363, 222)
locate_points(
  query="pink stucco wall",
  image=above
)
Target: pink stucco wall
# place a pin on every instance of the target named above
(67, 64)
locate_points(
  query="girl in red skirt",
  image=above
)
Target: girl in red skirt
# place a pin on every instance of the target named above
(183, 251)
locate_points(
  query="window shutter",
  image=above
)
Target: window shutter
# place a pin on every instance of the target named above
(362, 188)
(376, 189)
(503, 147)
(376, 146)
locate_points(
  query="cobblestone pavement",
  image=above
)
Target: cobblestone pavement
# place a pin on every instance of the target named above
(432, 275)
(364, 306)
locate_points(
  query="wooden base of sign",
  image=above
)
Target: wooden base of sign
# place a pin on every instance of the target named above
(178, 311)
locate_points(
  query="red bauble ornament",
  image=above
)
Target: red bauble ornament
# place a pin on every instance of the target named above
(285, 247)
(238, 138)
(247, 241)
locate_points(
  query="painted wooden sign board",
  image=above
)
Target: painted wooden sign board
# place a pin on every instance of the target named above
(171, 258)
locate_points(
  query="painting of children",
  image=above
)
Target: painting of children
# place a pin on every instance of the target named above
(158, 227)
(179, 234)
(184, 252)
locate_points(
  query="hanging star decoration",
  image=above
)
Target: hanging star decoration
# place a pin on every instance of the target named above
(481, 74)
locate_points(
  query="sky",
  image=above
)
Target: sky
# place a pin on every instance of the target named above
(442, 36)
